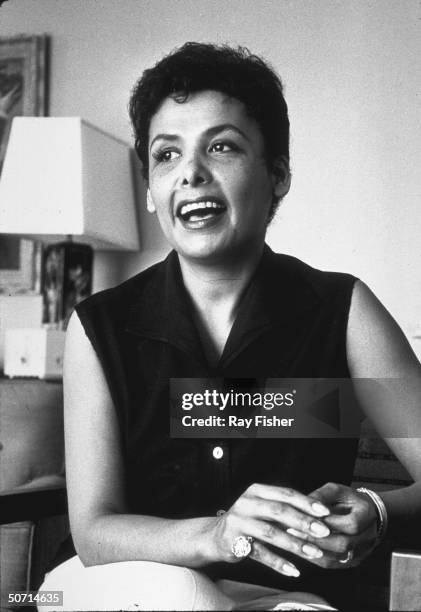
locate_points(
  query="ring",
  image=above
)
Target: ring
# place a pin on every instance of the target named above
(241, 547)
(348, 558)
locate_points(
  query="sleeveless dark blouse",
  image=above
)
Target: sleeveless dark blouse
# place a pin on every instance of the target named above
(291, 322)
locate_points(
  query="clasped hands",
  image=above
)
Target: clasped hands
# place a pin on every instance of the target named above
(332, 527)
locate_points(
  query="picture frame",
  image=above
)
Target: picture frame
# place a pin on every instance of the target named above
(23, 92)
(21, 271)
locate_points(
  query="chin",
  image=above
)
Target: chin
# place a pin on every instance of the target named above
(205, 255)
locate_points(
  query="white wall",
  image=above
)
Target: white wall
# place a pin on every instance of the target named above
(352, 78)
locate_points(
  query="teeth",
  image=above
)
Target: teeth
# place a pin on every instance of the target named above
(187, 208)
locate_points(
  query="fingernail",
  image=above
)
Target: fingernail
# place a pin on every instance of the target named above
(312, 551)
(319, 530)
(295, 533)
(290, 570)
(320, 509)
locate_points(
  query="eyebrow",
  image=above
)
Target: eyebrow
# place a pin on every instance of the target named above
(209, 132)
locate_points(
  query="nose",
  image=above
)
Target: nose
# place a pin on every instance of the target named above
(195, 171)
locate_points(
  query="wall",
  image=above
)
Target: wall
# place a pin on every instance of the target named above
(352, 79)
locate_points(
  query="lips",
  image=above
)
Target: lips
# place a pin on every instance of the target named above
(191, 211)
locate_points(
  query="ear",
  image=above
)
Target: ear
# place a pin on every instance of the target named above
(150, 206)
(281, 176)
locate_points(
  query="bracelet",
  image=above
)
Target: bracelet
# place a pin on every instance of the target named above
(382, 518)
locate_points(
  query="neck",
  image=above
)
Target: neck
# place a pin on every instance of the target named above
(219, 285)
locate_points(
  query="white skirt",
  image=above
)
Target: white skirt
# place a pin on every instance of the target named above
(144, 585)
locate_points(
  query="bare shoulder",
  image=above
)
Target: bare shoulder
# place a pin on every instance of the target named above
(376, 345)
(78, 347)
(377, 348)
(86, 391)
(83, 372)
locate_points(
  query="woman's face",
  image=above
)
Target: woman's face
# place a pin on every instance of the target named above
(208, 178)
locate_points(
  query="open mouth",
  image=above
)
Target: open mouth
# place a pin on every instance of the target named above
(203, 210)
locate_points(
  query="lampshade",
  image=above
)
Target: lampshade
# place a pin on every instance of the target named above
(63, 176)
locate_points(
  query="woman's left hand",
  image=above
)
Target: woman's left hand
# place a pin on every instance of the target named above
(353, 525)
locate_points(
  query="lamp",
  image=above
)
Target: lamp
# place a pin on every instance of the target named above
(63, 177)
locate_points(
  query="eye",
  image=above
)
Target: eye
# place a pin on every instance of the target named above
(165, 155)
(223, 146)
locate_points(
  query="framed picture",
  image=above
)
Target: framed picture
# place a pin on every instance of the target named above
(20, 265)
(23, 89)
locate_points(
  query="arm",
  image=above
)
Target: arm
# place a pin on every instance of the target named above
(102, 529)
(377, 348)
(105, 532)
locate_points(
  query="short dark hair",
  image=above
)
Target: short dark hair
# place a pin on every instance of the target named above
(232, 71)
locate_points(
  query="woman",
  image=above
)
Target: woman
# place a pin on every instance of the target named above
(212, 132)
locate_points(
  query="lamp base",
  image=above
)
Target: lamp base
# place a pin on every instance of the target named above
(66, 280)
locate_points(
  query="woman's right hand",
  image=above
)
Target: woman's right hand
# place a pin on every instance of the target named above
(265, 512)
